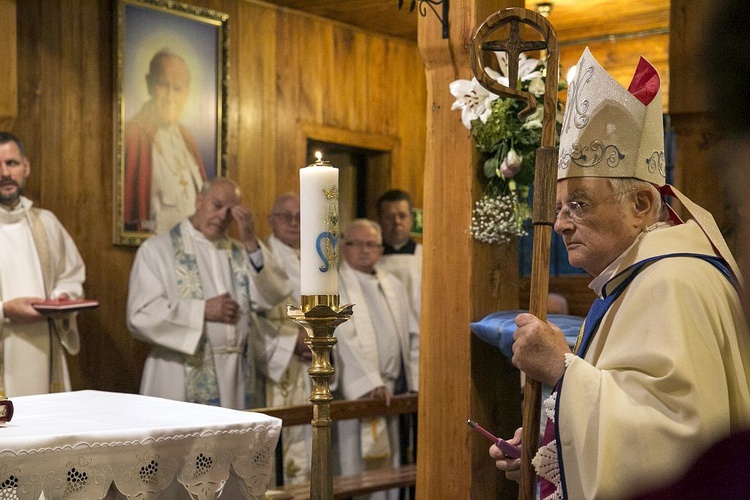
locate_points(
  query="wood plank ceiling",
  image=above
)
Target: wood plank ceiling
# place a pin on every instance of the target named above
(617, 31)
(574, 20)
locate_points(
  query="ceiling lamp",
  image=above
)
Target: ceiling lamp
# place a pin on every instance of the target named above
(544, 8)
(423, 4)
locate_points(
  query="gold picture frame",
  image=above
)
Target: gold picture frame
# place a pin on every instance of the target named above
(170, 112)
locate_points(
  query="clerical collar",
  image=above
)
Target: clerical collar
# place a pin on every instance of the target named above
(407, 248)
(16, 213)
(9, 208)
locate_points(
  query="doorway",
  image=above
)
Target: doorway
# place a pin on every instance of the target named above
(364, 174)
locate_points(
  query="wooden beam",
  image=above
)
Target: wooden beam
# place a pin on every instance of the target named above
(463, 280)
(697, 141)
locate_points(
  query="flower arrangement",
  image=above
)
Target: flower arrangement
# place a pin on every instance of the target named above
(508, 144)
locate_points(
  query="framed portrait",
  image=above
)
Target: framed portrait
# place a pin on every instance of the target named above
(170, 112)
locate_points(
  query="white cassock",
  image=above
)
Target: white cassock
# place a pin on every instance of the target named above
(27, 346)
(381, 336)
(174, 326)
(287, 381)
(407, 268)
(175, 179)
(282, 332)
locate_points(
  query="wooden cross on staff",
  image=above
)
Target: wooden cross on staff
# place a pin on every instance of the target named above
(545, 179)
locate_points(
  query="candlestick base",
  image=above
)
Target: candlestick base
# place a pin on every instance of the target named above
(319, 316)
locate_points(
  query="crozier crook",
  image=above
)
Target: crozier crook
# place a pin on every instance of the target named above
(545, 177)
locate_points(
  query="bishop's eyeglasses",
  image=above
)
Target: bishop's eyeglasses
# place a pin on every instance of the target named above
(576, 211)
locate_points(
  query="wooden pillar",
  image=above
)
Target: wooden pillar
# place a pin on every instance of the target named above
(696, 140)
(9, 74)
(463, 280)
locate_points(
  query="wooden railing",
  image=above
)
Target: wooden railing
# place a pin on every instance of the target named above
(366, 482)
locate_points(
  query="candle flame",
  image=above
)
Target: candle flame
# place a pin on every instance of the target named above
(318, 155)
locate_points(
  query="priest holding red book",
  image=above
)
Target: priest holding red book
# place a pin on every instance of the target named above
(38, 261)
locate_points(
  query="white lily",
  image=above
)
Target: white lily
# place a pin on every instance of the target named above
(536, 87)
(526, 66)
(498, 77)
(473, 100)
(534, 120)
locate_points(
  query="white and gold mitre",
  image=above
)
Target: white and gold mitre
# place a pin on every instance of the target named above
(610, 131)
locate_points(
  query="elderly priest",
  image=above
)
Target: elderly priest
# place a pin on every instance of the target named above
(661, 368)
(194, 296)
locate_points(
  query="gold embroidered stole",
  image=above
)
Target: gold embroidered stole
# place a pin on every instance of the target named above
(201, 383)
(49, 274)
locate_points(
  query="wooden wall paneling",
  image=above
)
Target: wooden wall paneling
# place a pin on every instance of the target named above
(377, 176)
(29, 26)
(411, 104)
(291, 73)
(66, 105)
(576, 19)
(463, 280)
(697, 149)
(282, 76)
(314, 43)
(355, 96)
(697, 145)
(9, 75)
(688, 24)
(255, 95)
(620, 57)
(346, 81)
(88, 201)
(378, 108)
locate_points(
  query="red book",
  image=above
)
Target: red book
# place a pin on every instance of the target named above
(58, 305)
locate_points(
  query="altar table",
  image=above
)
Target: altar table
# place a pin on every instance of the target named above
(77, 445)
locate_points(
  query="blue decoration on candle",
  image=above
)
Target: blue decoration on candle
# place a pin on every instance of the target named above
(326, 246)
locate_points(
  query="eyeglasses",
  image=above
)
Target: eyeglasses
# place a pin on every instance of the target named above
(370, 245)
(287, 217)
(576, 210)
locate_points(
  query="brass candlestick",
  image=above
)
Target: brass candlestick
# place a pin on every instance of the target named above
(319, 316)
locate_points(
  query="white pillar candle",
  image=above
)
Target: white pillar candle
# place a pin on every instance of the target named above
(319, 228)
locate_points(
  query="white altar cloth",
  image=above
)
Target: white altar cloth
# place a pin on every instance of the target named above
(76, 445)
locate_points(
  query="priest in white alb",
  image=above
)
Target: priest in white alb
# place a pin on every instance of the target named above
(287, 356)
(377, 350)
(194, 295)
(402, 256)
(38, 261)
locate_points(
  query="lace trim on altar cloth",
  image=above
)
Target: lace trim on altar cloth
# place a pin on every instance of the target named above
(143, 473)
(545, 461)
